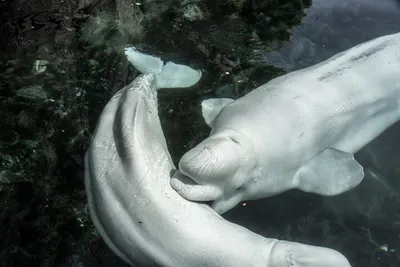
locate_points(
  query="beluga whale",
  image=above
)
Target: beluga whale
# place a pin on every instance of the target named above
(136, 211)
(298, 131)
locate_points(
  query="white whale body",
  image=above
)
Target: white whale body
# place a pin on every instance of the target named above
(140, 217)
(299, 130)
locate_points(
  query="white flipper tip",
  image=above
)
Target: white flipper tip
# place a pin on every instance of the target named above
(210, 108)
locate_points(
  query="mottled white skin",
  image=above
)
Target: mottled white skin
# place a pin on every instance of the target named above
(143, 220)
(259, 143)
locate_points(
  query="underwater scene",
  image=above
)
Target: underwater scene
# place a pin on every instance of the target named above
(66, 72)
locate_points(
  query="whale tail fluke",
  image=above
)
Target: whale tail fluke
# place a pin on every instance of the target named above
(168, 74)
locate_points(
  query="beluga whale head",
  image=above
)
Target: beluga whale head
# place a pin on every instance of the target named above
(226, 156)
(225, 167)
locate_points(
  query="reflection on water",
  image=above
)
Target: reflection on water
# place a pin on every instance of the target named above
(60, 62)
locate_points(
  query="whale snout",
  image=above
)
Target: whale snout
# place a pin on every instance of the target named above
(208, 172)
(197, 164)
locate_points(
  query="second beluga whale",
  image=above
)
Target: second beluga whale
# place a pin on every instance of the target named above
(299, 130)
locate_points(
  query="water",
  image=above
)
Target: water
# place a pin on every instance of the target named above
(60, 62)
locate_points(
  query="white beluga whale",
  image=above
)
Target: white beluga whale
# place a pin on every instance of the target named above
(136, 211)
(299, 130)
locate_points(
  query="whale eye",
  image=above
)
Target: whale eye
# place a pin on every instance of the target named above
(238, 188)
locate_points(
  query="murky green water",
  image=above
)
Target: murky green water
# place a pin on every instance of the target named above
(60, 61)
